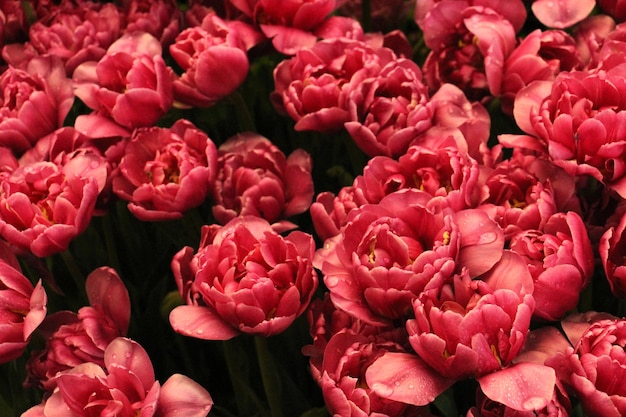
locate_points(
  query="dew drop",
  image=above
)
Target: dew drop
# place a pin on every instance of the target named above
(382, 390)
(534, 403)
(488, 237)
(331, 281)
(199, 331)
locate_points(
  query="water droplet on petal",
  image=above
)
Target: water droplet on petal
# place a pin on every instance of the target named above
(382, 390)
(488, 237)
(331, 281)
(534, 403)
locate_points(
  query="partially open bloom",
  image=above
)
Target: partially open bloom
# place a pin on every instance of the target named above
(256, 178)
(165, 172)
(83, 337)
(593, 366)
(131, 84)
(560, 259)
(466, 328)
(125, 386)
(73, 34)
(577, 121)
(388, 110)
(244, 278)
(308, 86)
(469, 44)
(289, 25)
(22, 309)
(613, 258)
(202, 52)
(160, 18)
(387, 253)
(34, 102)
(43, 205)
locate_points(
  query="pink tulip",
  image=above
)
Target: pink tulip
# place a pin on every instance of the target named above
(255, 178)
(387, 253)
(308, 86)
(45, 205)
(346, 360)
(466, 328)
(160, 18)
(615, 8)
(125, 386)
(73, 34)
(560, 259)
(591, 368)
(131, 84)
(22, 309)
(203, 51)
(612, 256)
(577, 122)
(165, 172)
(289, 25)
(471, 49)
(539, 56)
(83, 337)
(387, 110)
(244, 278)
(34, 103)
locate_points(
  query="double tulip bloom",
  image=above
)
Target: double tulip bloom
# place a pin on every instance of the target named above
(244, 278)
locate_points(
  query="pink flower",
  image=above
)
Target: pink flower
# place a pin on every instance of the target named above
(34, 103)
(22, 309)
(448, 175)
(466, 328)
(560, 259)
(74, 34)
(289, 25)
(43, 206)
(125, 386)
(612, 256)
(83, 337)
(615, 8)
(308, 86)
(202, 52)
(387, 253)
(471, 49)
(591, 368)
(342, 377)
(160, 18)
(131, 84)
(539, 56)
(387, 110)
(165, 172)
(245, 278)
(255, 178)
(577, 121)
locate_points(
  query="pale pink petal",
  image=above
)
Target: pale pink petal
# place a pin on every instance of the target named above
(523, 387)
(562, 14)
(201, 323)
(128, 354)
(406, 378)
(105, 288)
(183, 397)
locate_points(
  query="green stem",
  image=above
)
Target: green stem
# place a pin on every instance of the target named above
(244, 118)
(109, 241)
(74, 271)
(366, 12)
(247, 401)
(269, 375)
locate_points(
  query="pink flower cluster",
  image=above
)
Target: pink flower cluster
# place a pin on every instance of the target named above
(453, 255)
